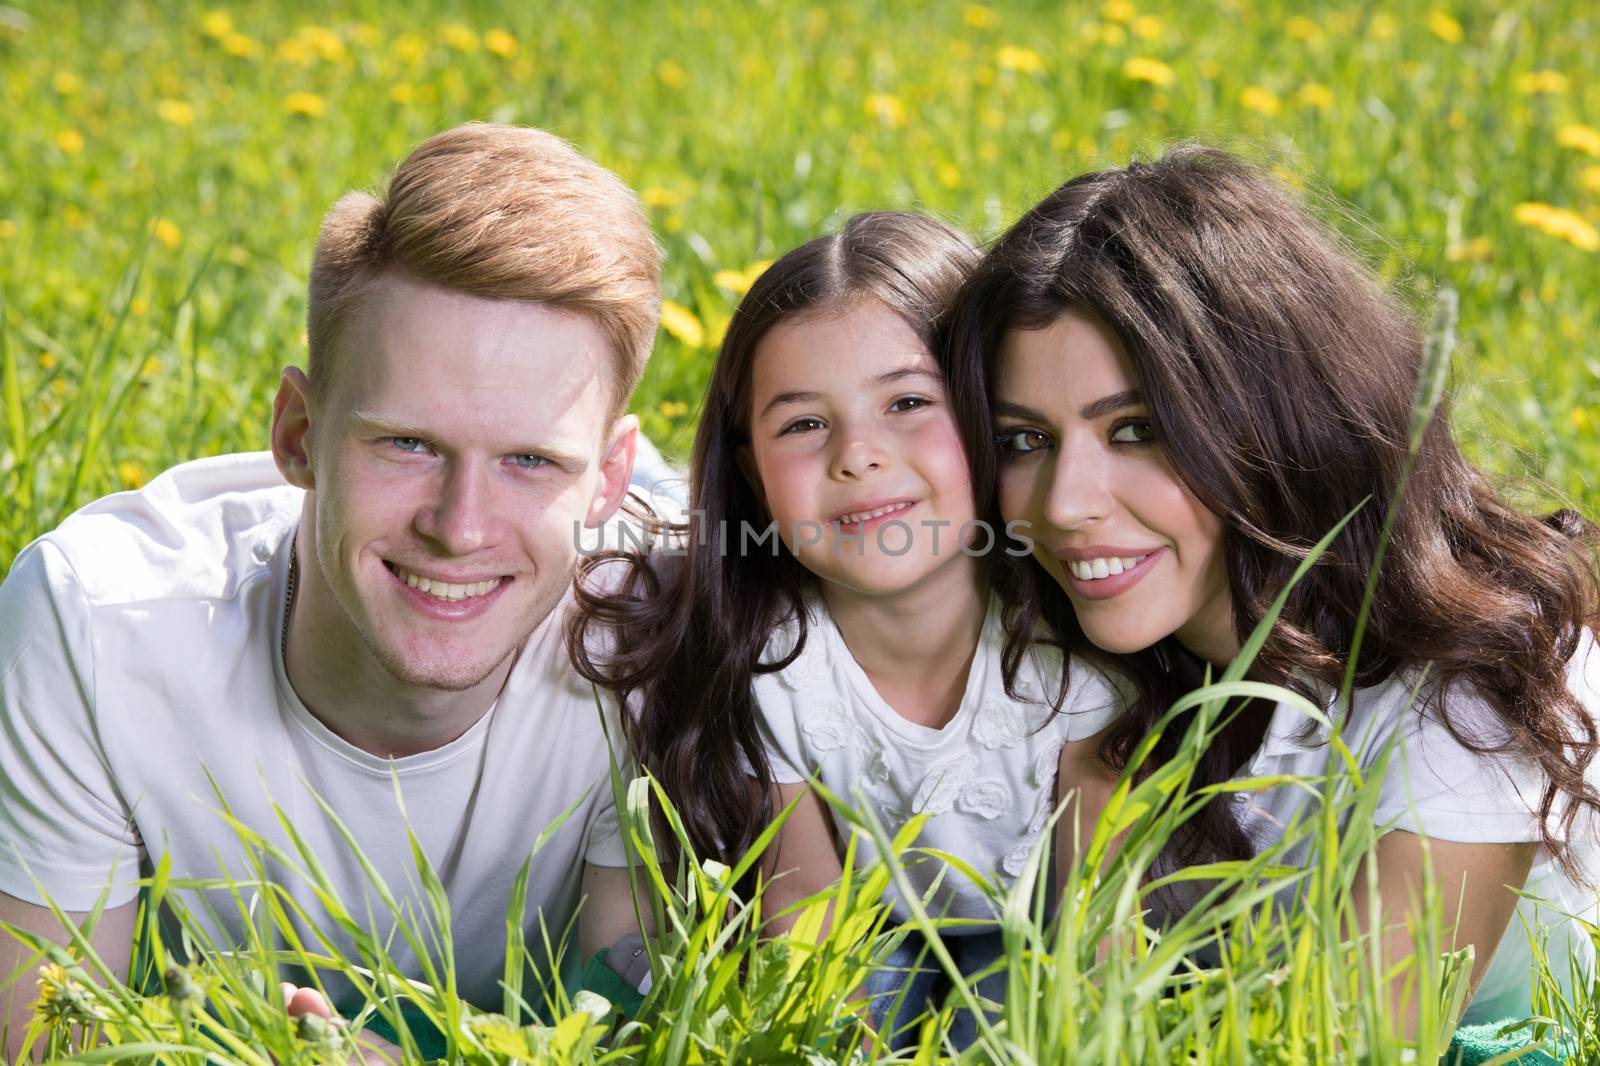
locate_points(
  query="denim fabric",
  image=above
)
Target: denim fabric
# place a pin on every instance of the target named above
(912, 970)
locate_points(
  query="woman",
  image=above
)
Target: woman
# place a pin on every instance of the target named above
(1192, 382)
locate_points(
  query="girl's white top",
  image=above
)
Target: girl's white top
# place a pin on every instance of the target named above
(986, 780)
(1438, 787)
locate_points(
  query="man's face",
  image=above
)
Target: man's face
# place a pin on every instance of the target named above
(453, 450)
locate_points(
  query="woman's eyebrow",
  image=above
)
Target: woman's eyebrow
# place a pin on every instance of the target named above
(1105, 405)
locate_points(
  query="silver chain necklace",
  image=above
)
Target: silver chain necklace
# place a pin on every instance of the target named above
(288, 607)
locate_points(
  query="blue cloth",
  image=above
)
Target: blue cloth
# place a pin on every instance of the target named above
(912, 970)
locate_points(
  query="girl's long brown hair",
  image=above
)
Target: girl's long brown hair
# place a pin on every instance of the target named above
(1280, 379)
(684, 636)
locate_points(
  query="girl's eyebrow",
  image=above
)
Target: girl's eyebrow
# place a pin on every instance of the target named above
(1098, 409)
(889, 377)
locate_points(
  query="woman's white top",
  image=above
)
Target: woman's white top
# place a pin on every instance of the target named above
(1441, 789)
(986, 780)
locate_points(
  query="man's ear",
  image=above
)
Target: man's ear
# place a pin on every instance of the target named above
(291, 428)
(616, 468)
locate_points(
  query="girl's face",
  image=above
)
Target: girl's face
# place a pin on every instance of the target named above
(1138, 554)
(855, 450)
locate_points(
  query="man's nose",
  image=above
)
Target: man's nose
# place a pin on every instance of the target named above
(460, 519)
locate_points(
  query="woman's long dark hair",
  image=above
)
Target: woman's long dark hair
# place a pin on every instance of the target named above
(684, 636)
(1280, 378)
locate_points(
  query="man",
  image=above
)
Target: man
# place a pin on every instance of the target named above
(377, 606)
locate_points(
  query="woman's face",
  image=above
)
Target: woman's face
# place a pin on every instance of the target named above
(1138, 554)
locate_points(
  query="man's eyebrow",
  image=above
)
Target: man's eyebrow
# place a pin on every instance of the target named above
(1098, 409)
(886, 378)
(378, 425)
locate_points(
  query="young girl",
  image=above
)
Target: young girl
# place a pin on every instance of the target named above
(862, 644)
(1192, 382)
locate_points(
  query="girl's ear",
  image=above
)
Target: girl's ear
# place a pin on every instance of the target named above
(747, 466)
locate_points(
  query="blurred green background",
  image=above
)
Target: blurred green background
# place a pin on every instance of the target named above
(163, 169)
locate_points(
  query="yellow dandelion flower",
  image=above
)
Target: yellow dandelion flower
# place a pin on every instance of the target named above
(1477, 250)
(8, 229)
(1117, 10)
(1025, 60)
(979, 17)
(1589, 179)
(1313, 94)
(1113, 35)
(66, 83)
(239, 46)
(994, 118)
(410, 47)
(458, 36)
(1444, 27)
(1146, 69)
(58, 386)
(323, 41)
(1548, 82)
(138, 307)
(949, 175)
(659, 196)
(70, 141)
(682, 323)
(167, 232)
(1255, 98)
(988, 151)
(1576, 135)
(176, 112)
(1302, 29)
(402, 93)
(732, 280)
(307, 105)
(1558, 222)
(887, 108)
(1456, 120)
(1383, 26)
(1146, 28)
(151, 367)
(983, 74)
(1580, 419)
(216, 24)
(131, 474)
(500, 43)
(672, 74)
(47, 360)
(294, 51)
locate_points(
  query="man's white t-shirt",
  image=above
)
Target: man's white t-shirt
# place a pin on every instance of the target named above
(142, 688)
(1441, 789)
(986, 779)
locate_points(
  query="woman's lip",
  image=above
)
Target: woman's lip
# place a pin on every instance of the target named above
(1106, 588)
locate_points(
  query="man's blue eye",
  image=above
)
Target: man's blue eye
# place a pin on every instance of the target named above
(408, 444)
(529, 461)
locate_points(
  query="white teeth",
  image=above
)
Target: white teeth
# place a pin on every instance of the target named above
(1108, 566)
(858, 517)
(444, 590)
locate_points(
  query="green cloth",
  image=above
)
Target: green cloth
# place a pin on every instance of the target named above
(430, 1041)
(1473, 1045)
(602, 980)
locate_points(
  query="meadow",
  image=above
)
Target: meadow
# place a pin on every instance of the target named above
(164, 166)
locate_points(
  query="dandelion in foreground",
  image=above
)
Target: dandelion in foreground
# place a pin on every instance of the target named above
(175, 112)
(887, 108)
(458, 36)
(65, 1000)
(979, 17)
(1444, 27)
(672, 75)
(1545, 82)
(1023, 60)
(69, 141)
(66, 83)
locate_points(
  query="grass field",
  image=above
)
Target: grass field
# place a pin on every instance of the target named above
(164, 166)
